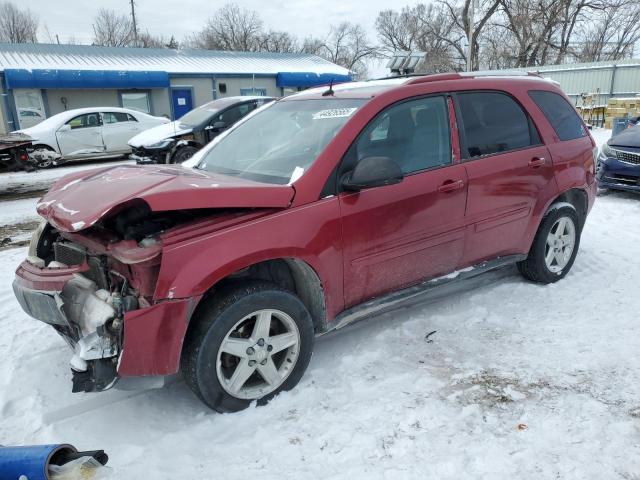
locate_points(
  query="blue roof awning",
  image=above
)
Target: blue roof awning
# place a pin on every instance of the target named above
(309, 79)
(21, 78)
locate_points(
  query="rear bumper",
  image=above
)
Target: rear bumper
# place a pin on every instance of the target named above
(618, 175)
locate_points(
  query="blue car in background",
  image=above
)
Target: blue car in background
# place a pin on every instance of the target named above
(619, 161)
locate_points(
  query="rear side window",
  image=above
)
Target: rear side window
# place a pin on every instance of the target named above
(561, 115)
(493, 122)
(115, 117)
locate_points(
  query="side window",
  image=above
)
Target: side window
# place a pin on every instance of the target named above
(493, 122)
(131, 118)
(85, 121)
(561, 115)
(414, 134)
(114, 117)
(234, 114)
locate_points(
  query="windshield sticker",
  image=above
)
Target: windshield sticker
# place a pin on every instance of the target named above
(297, 173)
(334, 113)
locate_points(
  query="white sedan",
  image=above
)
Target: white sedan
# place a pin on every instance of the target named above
(88, 133)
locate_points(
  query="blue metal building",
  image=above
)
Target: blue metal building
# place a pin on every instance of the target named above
(39, 80)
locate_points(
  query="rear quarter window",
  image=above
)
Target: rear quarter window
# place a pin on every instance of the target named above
(561, 115)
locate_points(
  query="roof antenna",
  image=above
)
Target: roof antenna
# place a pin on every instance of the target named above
(326, 93)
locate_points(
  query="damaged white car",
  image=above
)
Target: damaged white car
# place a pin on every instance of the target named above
(87, 133)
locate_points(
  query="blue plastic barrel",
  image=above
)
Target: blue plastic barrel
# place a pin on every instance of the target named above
(30, 462)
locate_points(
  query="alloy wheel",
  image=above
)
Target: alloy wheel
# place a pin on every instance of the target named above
(258, 354)
(560, 243)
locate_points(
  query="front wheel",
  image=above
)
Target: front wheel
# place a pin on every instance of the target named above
(183, 154)
(555, 246)
(250, 342)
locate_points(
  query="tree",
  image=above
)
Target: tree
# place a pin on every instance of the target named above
(278, 41)
(111, 29)
(438, 29)
(17, 25)
(173, 44)
(231, 28)
(146, 40)
(345, 45)
(613, 35)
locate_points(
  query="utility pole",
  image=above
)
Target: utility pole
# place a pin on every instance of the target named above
(135, 27)
(472, 11)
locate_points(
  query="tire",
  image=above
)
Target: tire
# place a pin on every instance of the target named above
(536, 267)
(226, 320)
(48, 163)
(183, 154)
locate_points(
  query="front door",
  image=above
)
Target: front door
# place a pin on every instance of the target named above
(397, 235)
(182, 101)
(228, 117)
(81, 137)
(29, 106)
(508, 167)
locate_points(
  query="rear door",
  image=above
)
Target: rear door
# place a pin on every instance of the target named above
(508, 170)
(117, 129)
(397, 235)
(81, 137)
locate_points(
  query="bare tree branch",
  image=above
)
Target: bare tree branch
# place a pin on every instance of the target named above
(17, 25)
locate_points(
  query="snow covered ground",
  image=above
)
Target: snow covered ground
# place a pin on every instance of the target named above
(13, 183)
(519, 381)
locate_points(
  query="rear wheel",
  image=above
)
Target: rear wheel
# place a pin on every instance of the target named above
(251, 342)
(555, 246)
(44, 156)
(183, 154)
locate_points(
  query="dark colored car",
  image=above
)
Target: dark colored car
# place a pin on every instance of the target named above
(177, 141)
(323, 208)
(619, 161)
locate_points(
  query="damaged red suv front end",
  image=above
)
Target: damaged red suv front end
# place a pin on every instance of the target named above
(93, 265)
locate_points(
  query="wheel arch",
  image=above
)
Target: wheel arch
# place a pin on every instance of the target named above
(577, 197)
(46, 146)
(291, 273)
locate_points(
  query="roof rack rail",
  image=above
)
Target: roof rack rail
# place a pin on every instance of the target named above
(437, 77)
(404, 75)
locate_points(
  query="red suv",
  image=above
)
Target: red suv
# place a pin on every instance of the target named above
(312, 212)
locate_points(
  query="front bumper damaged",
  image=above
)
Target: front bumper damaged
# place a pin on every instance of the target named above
(113, 345)
(79, 311)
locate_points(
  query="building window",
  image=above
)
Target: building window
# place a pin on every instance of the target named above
(222, 87)
(136, 101)
(253, 91)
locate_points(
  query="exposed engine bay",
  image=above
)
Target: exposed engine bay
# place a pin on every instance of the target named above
(96, 277)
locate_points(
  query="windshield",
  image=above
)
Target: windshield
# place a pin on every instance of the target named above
(198, 115)
(278, 144)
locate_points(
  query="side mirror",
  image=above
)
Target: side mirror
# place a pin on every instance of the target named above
(372, 172)
(65, 128)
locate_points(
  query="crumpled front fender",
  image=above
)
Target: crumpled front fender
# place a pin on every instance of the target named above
(153, 337)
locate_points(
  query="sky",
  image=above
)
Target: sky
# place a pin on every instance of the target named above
(302, 18)
(183, 17)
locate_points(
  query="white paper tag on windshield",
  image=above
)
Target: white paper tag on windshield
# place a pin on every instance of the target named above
(334, 113)
(297, 173)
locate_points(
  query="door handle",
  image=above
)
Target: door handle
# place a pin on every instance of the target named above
(536, 162)
(450, 186)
